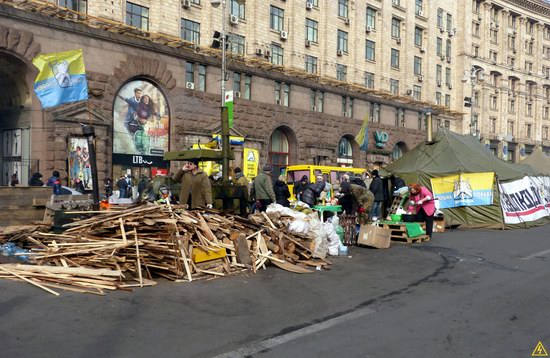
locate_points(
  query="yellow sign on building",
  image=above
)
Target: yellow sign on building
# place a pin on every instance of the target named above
(251, 162)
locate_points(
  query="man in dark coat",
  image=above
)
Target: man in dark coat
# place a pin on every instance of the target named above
(300, 186)
(312, 193)
(377, 188)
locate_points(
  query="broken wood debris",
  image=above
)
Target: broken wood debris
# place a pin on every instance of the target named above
(121, 249)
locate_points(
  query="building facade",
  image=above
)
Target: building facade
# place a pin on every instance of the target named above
(304, 74)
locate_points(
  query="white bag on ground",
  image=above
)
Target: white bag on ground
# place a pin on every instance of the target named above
(318, 233)
(299, 227)
(333, 239)
(284, 211)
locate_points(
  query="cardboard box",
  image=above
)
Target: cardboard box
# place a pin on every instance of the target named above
(375, 236)
(439, 225)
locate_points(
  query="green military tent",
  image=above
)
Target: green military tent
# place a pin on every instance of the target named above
(539, 161)
(450, 154)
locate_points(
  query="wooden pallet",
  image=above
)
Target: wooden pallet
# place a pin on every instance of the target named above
(399, 233)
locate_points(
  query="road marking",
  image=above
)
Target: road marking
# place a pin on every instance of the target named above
(537, 254)
(302, 332)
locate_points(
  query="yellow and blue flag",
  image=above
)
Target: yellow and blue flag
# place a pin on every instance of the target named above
(62, 78)
(362, 138)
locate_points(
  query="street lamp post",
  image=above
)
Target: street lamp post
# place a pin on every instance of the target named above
(475, 75)
(224, 119)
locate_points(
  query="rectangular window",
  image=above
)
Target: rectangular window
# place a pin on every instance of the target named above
(439, 46)
(448, 49)
(438, 73)
(196, 2)
(247, 87)
(528, 128)
(369, 79)
(421, 121)
(395, 28)
(529, 110)
(75, 5)
(449, 22)
(371, 18)
(202, 78)
(137, 16)
(511, 128)
(277, 54)
(440, 18)
(237, 9)
(475, 29)
(190, 72)
(394, 86)
(316, 100)
(342, 44)
(493, 128)
(277, 18)
(448, 100)
(511, 106)
(417, 66)
(344, 105)
(448, 76)
(320, 101)
(278, 92)
(417, 92)
(286, 95)
(350, 107)
(418, 8)
(494, 103)
(312, 99)
(236, 44)
(370, 50)
(396, 115)
(313, 2)
(418, 36)
(544, 133)
(438, 98)
(312, 30)
(341, 72)
(493, 34)
(237, 82)
(343, 8)
(311, 64)
(545, 112)
(190, 31)
(374, 112)
(394, 58)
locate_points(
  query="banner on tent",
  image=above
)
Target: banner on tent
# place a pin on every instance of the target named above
(527, 199)
(467, 189)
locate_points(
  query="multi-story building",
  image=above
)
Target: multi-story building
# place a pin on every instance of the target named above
(505, 53)
(305, 73)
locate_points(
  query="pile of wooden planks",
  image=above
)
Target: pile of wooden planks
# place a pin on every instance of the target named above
(121, 249)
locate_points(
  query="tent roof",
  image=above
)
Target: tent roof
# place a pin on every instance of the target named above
(453, 153)
(539, 161)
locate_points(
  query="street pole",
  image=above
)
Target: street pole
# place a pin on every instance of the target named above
(224, 118)
(472, 106)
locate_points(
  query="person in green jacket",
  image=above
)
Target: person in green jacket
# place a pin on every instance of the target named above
(263, 189)
(196, 191)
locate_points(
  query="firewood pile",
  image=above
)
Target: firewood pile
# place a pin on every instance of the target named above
(123, 249)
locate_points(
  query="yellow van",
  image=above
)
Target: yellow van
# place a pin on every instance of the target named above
(332, 174)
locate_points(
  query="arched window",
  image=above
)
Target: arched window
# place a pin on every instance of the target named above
(398, 150)
(278, 151)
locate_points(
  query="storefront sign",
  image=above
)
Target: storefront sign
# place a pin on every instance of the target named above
(251, 162)
(467, 189)
(380, 139)
(139, 161)
(378, 158)
(141, 123)
(527, 199)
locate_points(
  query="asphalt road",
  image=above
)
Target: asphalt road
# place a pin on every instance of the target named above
(464, 294)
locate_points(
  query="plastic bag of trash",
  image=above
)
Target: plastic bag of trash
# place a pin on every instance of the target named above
(299, 227)
(9, 249)
(333, 239)
(284, 211)
(319, 235)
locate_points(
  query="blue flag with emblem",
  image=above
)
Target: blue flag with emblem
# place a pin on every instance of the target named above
(62, 78)
(362, 138)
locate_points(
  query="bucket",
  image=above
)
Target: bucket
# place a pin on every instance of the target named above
(395, 217)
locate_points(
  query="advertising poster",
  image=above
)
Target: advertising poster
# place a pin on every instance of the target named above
(251, 162)
(467, 189)
(527, 199)
(140, 121)
(80, 170)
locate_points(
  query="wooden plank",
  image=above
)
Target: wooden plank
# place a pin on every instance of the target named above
(32, 282)
(242, 251)
(287, 266)
(138, 259)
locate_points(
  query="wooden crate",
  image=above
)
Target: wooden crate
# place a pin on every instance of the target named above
(399, 233)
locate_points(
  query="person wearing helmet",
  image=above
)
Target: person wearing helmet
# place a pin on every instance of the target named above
(165, 196)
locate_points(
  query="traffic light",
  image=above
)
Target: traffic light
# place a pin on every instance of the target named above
(467, 101)
(217, 39)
